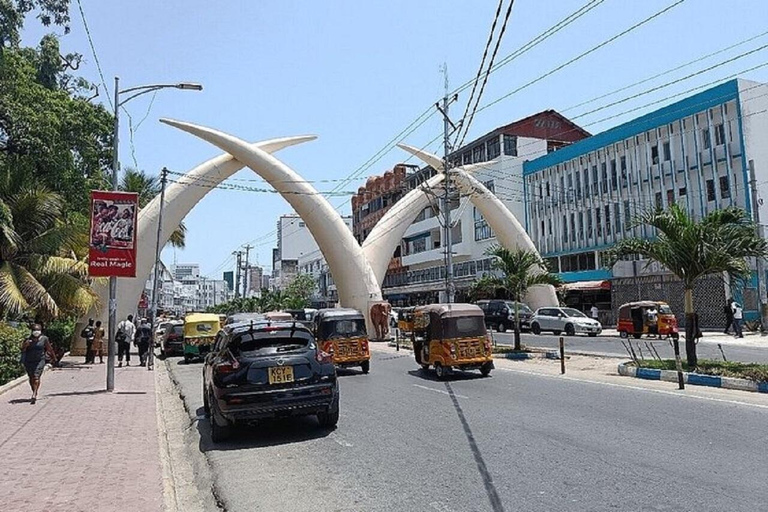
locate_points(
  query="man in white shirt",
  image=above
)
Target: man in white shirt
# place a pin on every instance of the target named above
(126, 331)
(594, 311)
(738, 315)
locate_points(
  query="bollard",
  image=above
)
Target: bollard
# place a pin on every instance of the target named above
(562, 356)
(678, 364)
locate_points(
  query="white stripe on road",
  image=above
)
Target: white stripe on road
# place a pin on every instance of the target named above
(636, 388)
(340, 441)
(439, 391)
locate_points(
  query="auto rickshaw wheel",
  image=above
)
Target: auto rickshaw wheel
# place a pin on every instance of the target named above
(535, 328)
(425, 367)
(440, 371)
(485, 370)
(637, 335)
(365, 366)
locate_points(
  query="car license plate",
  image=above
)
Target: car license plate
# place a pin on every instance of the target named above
(343, 351)
(280, 374)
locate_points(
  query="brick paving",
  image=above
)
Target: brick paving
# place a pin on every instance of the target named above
(79, 448)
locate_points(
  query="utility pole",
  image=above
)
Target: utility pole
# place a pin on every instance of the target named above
(448, 129)
(245, 274)
(761, 285)
(155, 281)
(239, 255)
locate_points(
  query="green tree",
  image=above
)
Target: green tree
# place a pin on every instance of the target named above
(148, 187)
(300, 290)
(13, 12)
(520, 270)
(719, 243)
(40, 270)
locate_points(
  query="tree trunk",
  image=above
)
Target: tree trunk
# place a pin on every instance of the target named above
(691, 330)
(517, 325)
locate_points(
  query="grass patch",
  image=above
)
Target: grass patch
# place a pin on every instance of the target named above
(751, 371)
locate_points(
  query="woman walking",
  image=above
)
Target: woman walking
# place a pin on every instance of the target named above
(33, 351)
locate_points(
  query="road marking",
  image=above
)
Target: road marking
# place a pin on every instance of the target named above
(341, 442)
(637, 388)
(439, 391)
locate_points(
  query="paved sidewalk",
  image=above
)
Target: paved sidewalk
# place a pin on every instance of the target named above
(750, 339)
(79, 448)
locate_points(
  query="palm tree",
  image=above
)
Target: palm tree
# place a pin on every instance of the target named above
(718, 243)
(43, 270)
(148, 187)
(520, 270)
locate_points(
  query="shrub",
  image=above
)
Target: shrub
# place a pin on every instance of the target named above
(10, 351)
(60, 333)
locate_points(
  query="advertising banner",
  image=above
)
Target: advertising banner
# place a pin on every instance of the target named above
(113, 234)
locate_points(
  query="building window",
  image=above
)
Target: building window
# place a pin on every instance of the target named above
(510, 145)
(581, 225)
(467, 157)
(658, 202)
(482, 230)
(604, 178)
(573, 228)
(667, 152)
(725, 189)
(547, 187)
(655, 154)
(586, 183)
(627, 214)
(565, 230)
(710, 190)
(706, 142)
(623, 163)
(478, 153)
(578, 185)
(549, 226)
(607, 220)
(589, 224)
(595, 188)
(598, 223)
(614, 176)
(682, 191)
(670, 196)
(719, 134)
(617, 217)
(494, 148)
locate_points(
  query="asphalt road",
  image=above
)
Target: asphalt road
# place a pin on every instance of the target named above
(611, 345)
(513, 441)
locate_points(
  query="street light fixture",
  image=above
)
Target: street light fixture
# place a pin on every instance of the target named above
(137, 91)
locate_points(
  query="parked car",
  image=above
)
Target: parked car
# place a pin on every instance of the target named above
(172, 342)
(267, 370)
(500, 314)
(162, 326)
(568, 320)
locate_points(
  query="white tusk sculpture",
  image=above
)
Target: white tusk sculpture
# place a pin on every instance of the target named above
(356, 284)
(180, 198)
(509, 232)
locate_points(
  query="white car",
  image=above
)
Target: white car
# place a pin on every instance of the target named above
(568, 320)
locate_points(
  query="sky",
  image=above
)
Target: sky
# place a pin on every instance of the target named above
(357, 73)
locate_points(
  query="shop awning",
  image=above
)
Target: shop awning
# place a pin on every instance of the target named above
(584, 286)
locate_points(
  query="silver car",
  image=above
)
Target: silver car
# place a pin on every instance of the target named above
(568, 320)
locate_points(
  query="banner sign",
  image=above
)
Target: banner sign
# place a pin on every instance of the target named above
(113, 234)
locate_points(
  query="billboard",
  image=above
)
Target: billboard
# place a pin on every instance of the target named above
(112, 245)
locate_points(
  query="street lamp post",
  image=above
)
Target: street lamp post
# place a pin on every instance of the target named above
(137, 91)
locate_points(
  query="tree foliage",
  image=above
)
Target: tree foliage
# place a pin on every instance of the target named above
(13, 13)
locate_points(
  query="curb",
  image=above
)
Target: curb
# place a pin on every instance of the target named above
(521, 356)
(12, 384)
(694, 379)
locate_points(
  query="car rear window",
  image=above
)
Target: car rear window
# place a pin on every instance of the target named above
(178, 329)
(258, 340)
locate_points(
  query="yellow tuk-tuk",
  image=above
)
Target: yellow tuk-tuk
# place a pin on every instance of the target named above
(341, 333)
(200, 330)
(405, 319)
(449, 336)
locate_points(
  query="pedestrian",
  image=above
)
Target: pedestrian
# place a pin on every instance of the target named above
(738, 314)
(594, 311)
(143, 339)
(652, 320)
(728, 310)
(33, 351)
(124, 336)
(98, 342)
(88, 334)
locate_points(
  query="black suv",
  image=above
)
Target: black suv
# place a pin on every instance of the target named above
(500, 314)
(267, 370)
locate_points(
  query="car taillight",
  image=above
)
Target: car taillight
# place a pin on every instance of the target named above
(453, 350)
(226, 368)
(328, 347)
(487, 343)
(324, 357)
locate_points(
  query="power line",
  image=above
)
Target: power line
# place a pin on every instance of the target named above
(93, 51)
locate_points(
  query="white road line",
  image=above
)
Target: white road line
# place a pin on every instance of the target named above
(637, 388)
(439, 391)
(341, 442)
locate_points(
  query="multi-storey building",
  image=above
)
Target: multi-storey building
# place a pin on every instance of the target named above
(501, 153)
(702, 153)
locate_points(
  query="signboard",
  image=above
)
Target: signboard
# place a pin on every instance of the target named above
(112, 246)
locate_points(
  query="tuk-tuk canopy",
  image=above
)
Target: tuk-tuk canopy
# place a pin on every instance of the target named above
(451, 310)
(643, 304)
(201, 325)
(324, 315)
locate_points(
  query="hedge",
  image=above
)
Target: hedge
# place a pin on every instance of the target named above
(10, 351)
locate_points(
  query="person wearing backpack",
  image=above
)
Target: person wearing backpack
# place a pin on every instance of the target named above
(143, 338)
(89, 333)
(126, 332)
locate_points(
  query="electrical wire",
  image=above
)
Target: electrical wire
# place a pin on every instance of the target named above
(93, 51)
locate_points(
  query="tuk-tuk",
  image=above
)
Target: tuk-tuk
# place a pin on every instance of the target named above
(278, 316)
(449, 336)
(305, 315)
(200, 330)
(635, 320)
(341, 333)
(405, 319)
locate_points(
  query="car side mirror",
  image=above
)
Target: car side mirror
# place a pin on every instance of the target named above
(560, 315)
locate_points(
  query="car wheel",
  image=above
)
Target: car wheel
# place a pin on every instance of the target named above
(592, 334)
(637, 335)
(500, 327)
(365, 366)
(485, 370)
(187, 358)
(330, 418)
(535, 329)
(556, 332)
(206, 403)
(221, 429)
(440, 371)
(570, 330)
